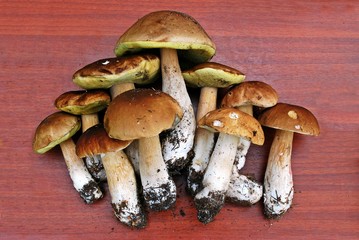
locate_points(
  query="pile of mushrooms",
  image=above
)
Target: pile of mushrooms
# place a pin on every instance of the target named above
(139, 127)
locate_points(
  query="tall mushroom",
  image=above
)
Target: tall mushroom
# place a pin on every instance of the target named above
(120, 175)
(87, 104)
(171, 31)
(232, 124)
(209, 76)
(244, 96)
(57, 129)
(143, 114)
(278, 180)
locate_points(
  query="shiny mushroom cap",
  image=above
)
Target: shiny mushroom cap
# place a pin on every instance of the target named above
(83, 102)
(212, 74)
(290, 118)
(55, 129)
(95, 141)
(167, 29)
(233, 122)
(141, 113)
(104, 73)
(253, 93)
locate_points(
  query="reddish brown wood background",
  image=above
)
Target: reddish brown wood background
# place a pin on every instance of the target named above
(307, 50)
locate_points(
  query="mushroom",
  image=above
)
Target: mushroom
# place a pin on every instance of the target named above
(209, 76)
(171, 31)
(244, 96)
(278, 180)
(121, 178)
(143, 114)
(57, 129)
(87, 104)
(232, 124)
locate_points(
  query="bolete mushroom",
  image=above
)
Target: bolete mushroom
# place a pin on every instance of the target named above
(121, 178)
(87, 104)
(244, 96)
(232, 124)
(170, 31)
(287, 119)
(143, 114)
(209, 77)
(57, 129)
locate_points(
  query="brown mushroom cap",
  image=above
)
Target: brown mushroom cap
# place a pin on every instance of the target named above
(212, 74)
(251, 93)
(167, 29)
(83, 102)
(104, 73)
(233, 122)
(95, 141)
(290, 118)
(55, 129)
(141, 113)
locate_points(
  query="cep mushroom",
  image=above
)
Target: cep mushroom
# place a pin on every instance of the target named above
(170, 31)
(143, 114)
(278, 180)
(209, 76)
(121, 178)
(232, 124)
(57, 129)
(244, 96)
(87, 104)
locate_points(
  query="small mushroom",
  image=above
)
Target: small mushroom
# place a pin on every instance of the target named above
(87, 104)
(120, 175)
(232, 124)
(278, 180)
(209, 76)
(143, 114)
(57, 129)
(174, 33)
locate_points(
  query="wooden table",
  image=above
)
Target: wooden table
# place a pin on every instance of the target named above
(307, 50)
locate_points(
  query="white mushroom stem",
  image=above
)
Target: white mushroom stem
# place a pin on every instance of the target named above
(243, 190)
(93, 163)
(123, 189)
(81, 178)
(159, 189)
(119, 88)
(203, 141)
(210, 199)
(178, 143)
(278, 179)
(133, 155)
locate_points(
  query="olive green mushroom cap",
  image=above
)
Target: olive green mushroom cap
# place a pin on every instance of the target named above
(254, 93)
(83, 102)
(233, 122)
(104, 73)
(212, 74)
(55, 129)
(167, 29)
(290, 118)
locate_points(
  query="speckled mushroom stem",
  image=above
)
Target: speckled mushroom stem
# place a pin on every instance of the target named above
(123, 189)
(178, 143)
(278, 180)
(210, 199)
(203, 141)
(159, 189)
(81, 178)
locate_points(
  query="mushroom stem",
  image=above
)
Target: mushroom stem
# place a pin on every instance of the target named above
(89, 120)
(178, 143)
(119, 88)
(159, 189)
(210, 199)
(203, 141)
(123, 189)
(81, 178)
(278, 180)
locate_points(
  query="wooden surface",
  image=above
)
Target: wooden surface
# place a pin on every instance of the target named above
(307, 50)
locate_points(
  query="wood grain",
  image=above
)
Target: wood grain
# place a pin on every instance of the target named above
(307, 50)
